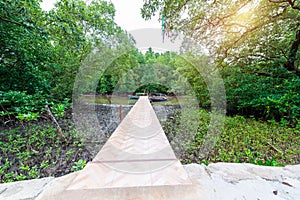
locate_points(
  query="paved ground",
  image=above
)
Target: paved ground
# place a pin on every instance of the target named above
(137, 154)
(215, 181)
(138, 163)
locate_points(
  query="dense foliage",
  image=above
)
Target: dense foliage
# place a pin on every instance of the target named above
(37, 151)
(243, 31)
(42, 51)
(265, 90)
(241, 140)
(253, 45)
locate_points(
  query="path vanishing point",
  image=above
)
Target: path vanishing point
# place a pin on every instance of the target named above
(138, 163)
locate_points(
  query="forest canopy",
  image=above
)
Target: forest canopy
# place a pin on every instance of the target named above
(237, 32)
(77, 51)
(247, 40)
(41, 51)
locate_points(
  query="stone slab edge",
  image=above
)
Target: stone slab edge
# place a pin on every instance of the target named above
(215, 181)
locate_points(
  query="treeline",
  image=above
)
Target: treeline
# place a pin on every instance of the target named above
(41, 51)
(264, 91)
(255, 43)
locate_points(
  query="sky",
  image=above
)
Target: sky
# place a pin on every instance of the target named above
(146, 33)
(127, 14)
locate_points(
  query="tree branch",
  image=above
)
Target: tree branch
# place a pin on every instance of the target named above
(235, 24)
(264, 57)
(11, 21)
(290, 64)
(290, 2)
(56, 123)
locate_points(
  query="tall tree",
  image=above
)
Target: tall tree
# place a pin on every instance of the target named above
(237, 31)
(76, 27)
(24, 59)
(41, 52)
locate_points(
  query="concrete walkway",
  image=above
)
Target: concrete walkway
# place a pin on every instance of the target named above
(137, 154)
(220, 181)
(137, 162)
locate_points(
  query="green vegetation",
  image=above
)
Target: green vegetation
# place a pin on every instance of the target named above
(37, 150)
(264, 91)
(79, 165)
(254, 45)
(42, 51)
(242, 140)
(40, 55)
(237, 32)
(124, 100)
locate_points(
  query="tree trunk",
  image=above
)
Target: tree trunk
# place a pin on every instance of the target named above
(291, 62)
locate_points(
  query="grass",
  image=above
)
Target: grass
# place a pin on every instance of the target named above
(37, 151)
(241, 140)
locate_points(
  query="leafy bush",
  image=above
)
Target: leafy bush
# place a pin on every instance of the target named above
(17, 102)
(58, 109)
(37, 151)
(268, 93)
(241, 140)
(28, 107)
(79, 165)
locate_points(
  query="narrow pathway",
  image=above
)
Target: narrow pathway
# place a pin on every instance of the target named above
(137, 162)
(137, 154)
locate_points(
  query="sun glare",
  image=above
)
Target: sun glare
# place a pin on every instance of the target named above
(246, 14)
(248, 7)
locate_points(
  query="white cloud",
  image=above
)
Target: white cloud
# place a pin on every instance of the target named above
(128, 14)
(47, 5)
